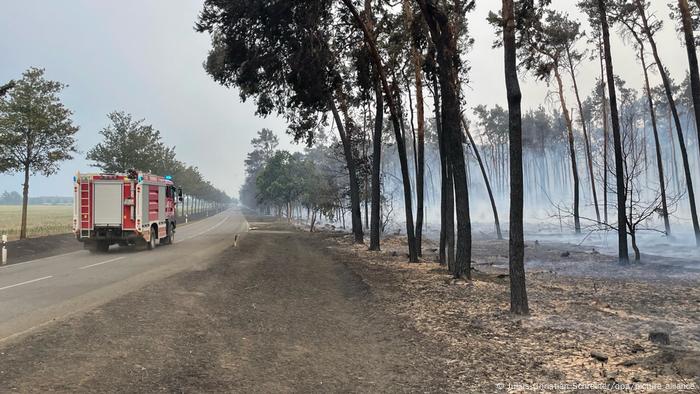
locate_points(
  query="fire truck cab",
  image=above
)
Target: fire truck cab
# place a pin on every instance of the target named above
(126, 209)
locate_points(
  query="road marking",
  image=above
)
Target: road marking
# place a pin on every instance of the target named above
(103, 262)
(25, 283)
(205, 231)
(82, 251)
(41, 259)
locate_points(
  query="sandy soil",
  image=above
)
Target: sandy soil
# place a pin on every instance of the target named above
(583, 304)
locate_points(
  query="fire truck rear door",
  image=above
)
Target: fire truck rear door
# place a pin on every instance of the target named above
(108, 203)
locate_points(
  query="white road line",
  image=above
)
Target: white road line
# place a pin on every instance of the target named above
(104, 262)
(205, 231)
(25, 283)
(41, 259)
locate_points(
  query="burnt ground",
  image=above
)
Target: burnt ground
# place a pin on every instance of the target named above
(279, 313)
(589, 325)
(289, 311)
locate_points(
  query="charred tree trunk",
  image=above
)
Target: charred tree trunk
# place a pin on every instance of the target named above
(516, 243)
(486, 179)
(442, 33)
(637, 254)
(572, 149)
(657, 142)
(676, 119)
(589, 156)
(400, 143)
(416, 59)
(352, 176)
(692, 60)
(623, 254)
(605, 135)
(444, 177)
(375, 229)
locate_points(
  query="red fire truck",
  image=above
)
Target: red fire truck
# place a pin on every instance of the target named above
(127, 209)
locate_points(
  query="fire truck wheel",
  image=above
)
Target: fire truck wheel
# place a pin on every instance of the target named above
(154, 236)
(103, 247)
(91, 247)
(168, 240)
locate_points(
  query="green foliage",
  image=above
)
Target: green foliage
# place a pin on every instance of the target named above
(36, 131)
(539, 131)
(280, 181)
(264, 146)
(6, 87)
(131, 144)
(274, 51)
(493, 122)
(278, 178)
(295, 179)
(547, 43)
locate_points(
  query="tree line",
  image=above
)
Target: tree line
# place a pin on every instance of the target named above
(311, 185)
(37, 134)
(348, 64)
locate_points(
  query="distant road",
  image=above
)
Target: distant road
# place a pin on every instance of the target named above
(37, 292)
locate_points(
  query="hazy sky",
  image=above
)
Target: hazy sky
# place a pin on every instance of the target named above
(144, 57)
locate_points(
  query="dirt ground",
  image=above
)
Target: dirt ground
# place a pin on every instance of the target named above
(278, 313)
(289, 311)
(584, 305)
(22, 250)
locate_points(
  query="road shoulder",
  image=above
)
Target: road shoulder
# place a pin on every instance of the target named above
(280, 312)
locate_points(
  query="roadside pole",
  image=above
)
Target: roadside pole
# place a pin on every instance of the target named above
(4, 249)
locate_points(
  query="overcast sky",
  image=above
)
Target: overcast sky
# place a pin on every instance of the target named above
(143, 57)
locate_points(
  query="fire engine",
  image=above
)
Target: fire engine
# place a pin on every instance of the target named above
(126, 209)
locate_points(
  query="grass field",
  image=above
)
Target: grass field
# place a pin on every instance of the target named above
(41, 220)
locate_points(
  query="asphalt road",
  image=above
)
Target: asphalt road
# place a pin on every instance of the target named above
(37, 292)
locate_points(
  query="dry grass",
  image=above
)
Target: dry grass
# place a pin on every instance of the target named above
(572, 316)
(41, 220)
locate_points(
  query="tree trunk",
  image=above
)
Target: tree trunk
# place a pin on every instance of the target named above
(375, 228)
(420, 114)
(313, 222)
(605, 135)
(657, 143)
(449, 205)
(572, 149)
(444, 178)
(623, 254)
(442, 33)
(637, 254)
(677, 120)
(420, 171)
(352, 176)
(486, 179)
(516, 243)
(400, 143)
(25, 202)
(692, 60)
(589, 156)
